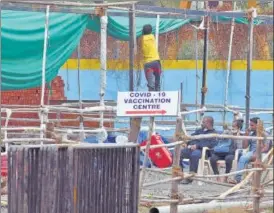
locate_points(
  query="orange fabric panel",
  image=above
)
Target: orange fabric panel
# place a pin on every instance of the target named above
(251, 3)
(185, 5)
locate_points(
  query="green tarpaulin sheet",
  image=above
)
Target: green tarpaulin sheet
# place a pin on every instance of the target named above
(22, 46)
(118, 27)
(23, 39)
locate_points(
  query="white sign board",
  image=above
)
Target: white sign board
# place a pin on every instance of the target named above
(138, 104)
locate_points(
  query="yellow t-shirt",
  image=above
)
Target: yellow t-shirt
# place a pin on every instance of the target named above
(149, 49)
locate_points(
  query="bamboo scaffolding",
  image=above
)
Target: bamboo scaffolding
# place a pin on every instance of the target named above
(199, 208)
(176, 166)
(147, 149)
(194, 176)
(99, 130)
(157, 122)
(243, 182)
(66, 3)
(21, 128)
(200, 199)
(220, 136)
(104, 108)
(113, 104)
(78, 145)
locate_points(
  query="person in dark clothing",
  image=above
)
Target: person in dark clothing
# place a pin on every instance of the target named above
(225, 150)
(193, 151)
(154, 210)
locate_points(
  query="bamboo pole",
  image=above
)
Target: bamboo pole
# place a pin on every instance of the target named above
(146, 157)
(229, 62)
(198, 177)
(103, 63)
(166, 181)
(212, 182)
(131, 47)
(72, 4)
(202, 207)
(176, 167)
(44, 63)
(265, 175)
(111, 106)
(81, 123)
(201, 199)
(258, 174)
(83, 145)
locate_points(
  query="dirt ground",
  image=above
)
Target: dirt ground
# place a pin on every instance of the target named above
(192, 190)
(187, 191)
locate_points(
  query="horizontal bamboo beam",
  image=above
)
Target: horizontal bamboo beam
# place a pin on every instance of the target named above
(199, 208)
(77, 145)
(42, 8)
(87, 103)
(206, 136)
(70, 3)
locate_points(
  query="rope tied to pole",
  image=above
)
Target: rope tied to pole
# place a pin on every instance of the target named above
(177, 171)
(259, 191)
(204, 90)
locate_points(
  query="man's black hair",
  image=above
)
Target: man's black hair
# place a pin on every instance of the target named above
(210, 119)
(239, 123)
(147, 29)
(255, 120)
(154, 210)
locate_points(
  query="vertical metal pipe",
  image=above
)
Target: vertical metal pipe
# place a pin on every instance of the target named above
(205, 60)
(248, 71)
(196, 64)
(132, 36)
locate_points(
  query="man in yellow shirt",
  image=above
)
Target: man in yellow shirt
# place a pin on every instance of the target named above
(151, 59)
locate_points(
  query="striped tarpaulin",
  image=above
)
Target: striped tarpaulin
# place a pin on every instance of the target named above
(51, 179)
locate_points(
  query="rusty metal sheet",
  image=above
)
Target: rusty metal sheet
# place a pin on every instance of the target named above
(51, 179)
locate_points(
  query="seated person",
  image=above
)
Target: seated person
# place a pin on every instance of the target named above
(252, 146)
(194, 150)
(50, 134)
(225, 150)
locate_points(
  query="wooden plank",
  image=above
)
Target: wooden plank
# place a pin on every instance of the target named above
(176, 167)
